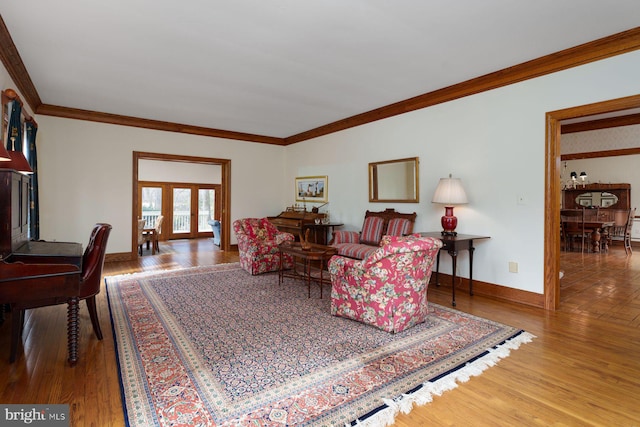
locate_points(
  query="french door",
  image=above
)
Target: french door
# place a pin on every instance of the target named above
(187, 208)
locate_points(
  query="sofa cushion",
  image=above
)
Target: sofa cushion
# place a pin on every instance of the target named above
(398, 227)
(371, 230)
(354, 250)
(342, 236)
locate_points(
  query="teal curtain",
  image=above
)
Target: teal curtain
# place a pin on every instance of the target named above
(34, 203)
(14, 134)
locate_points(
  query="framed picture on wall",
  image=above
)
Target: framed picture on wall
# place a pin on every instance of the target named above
(311, 189)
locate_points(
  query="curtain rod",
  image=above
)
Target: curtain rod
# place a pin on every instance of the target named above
(12, 95)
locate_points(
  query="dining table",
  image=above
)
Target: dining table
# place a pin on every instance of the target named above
(597, 229)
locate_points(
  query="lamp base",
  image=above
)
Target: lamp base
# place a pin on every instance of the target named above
(449, 222)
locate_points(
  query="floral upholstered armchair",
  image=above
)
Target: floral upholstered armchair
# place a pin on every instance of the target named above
(388, 288)
(258, 241)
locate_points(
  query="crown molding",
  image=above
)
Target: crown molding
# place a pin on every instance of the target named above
(599, 154)
(115, 119)
(616, 44)
(611, 122)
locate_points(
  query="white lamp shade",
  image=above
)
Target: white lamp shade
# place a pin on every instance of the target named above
(450, 192)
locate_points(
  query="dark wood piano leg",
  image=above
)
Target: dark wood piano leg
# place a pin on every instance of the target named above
(72, 330)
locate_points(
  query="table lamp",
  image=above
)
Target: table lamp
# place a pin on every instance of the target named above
(449, 192)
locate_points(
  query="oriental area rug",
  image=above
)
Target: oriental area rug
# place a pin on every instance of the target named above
(215, 346)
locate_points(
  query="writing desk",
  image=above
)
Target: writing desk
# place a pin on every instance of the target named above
(454, 244)
(41, 252)
(38, 274)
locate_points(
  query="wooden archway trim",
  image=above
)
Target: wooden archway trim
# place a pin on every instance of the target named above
(225, 184)
(552, 187)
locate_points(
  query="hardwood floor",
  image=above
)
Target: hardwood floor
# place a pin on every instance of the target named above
(582, 369)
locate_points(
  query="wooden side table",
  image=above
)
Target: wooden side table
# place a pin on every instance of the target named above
(453, 244)
(318, 254)
(321, 231)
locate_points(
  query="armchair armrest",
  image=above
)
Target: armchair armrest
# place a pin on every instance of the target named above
(283, 236)
(341, 266)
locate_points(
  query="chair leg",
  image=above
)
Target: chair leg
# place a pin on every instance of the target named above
(72, 329)
(17, 322)
(93, 314)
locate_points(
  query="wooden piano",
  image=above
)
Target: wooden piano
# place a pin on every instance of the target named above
(293, 221)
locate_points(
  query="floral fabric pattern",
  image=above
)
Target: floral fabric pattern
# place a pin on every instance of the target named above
(388, 288)
(258, 241)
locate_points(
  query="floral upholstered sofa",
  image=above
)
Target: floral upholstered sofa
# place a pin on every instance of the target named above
(388, 288)
(358, 245)
(258, 241)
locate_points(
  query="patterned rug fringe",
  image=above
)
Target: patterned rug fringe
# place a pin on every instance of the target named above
(386, 417)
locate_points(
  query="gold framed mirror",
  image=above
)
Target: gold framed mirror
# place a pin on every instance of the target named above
(394, 181)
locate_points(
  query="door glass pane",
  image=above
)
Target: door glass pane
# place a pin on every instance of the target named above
(206, 208)
(182, 210)
(151, 205)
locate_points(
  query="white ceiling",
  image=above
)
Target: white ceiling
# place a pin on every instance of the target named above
(281, 67)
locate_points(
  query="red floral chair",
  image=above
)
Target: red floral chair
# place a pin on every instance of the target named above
(258, 241)
(388, 288)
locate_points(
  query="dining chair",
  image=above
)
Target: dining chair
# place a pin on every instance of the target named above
(141, 237)
(621, 230)
(573, 226)
(153, 236)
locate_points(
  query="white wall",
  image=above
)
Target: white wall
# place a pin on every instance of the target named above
(86, 175)
(182, 172)
(494, 141)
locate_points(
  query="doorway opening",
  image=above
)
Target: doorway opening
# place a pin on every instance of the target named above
(553, 190)
(187, 207)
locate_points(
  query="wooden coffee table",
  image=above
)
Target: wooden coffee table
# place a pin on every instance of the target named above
(311, 262)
